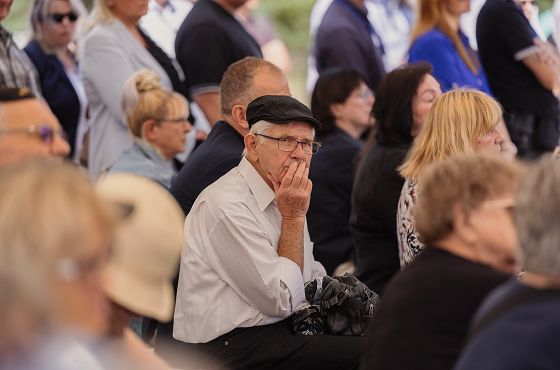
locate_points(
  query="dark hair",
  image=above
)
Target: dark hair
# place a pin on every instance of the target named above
(392, 109)
(333, 86)
(15, 93)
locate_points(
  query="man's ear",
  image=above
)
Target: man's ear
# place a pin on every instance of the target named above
(462, 225)
(149, 130)
(250, 141)
(238, 113)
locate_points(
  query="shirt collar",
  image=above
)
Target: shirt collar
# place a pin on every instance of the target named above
(263, 194)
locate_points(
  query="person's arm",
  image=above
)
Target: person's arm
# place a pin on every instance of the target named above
(107, 67)
(209, 102)
(545, 65)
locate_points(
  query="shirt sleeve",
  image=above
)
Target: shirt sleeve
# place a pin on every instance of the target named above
(244, 256)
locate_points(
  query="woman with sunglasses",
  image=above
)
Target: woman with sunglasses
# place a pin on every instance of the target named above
(53, 23)
(158, 123)
(342, 102)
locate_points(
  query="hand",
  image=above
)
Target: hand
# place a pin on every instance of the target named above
(293, 191)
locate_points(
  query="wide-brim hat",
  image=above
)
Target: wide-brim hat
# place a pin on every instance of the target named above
(146, 247)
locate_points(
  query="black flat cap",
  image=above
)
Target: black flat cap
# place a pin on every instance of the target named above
(279, 109)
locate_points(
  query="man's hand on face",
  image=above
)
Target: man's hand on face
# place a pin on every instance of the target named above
(293, 191)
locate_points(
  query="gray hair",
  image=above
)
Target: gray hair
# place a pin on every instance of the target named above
(536, 217)
(260, 127)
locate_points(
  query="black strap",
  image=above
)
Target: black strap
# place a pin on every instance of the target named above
(528, 295)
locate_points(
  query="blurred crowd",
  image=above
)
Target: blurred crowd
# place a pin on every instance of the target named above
(165, 203)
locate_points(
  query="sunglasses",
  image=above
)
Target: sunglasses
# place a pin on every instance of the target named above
(43, 132)
(528, 2)
(59, 17)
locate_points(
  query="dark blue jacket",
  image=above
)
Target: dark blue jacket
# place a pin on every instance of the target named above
(56, 89)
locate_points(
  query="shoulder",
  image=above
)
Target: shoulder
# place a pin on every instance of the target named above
(431, 38)
(34, 50)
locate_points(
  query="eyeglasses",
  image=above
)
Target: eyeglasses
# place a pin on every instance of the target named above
(59, 17)
(286, 144)
(44, 132)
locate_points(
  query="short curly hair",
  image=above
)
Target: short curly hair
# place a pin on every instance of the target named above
(465, 180)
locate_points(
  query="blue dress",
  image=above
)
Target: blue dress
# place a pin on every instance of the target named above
(438, 49)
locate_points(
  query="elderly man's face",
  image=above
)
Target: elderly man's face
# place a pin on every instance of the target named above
(274, 162)
(24, 128)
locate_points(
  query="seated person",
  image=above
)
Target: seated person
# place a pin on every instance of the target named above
(518, 325)
(28, 129)
(342, 102)
(158, 121)
(464, 217)
(247, 252)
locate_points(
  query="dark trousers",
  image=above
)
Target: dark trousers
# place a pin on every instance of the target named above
(534, 133)
(267, 347)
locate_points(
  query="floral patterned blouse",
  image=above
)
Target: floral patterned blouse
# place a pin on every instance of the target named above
(409, 242)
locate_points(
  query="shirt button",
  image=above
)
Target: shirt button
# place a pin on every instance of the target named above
(226, 343)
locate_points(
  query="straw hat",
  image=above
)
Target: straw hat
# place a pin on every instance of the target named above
(147, 245)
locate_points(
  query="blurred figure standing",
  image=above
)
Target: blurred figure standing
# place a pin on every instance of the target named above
(53, 25)
(163, 20)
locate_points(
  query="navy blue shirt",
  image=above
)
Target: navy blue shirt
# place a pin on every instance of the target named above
(329, 210)
(345, 38)
(522, 337)
(449, 69)
(219, 153)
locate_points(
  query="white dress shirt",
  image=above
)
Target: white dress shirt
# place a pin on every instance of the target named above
(231, 274)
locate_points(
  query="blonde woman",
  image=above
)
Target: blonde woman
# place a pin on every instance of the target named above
(114, 48)
(438, 39)
(158, 122)
(461, 121)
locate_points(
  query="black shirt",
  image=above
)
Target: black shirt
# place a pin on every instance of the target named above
(424, 315)
(501, 32)
(208, 41)
(328, 217)
(219, 153)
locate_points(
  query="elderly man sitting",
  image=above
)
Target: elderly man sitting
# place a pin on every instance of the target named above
(247, 253)
(28, 128)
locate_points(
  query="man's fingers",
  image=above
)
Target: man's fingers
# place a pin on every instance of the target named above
(275, 183)
(289, 176)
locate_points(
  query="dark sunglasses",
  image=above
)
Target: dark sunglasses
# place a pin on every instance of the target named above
(59, 17)
(43, 132)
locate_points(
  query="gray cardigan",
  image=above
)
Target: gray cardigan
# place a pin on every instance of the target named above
(110, 55)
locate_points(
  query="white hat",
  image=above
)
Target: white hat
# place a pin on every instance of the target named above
(147, 245)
